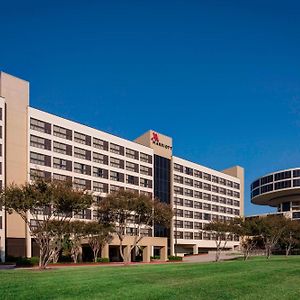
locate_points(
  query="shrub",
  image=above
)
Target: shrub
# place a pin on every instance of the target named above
(103, 260)
(27, 262)
(155, 257)
(174, 258)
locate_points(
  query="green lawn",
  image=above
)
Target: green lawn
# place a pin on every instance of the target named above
(278, 278)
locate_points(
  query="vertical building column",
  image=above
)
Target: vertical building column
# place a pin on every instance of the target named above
(105, 251)
(195, 249)
(163, 253)
(146, 254)
(127, 254)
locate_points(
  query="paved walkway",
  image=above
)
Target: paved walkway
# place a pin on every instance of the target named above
(211, 256)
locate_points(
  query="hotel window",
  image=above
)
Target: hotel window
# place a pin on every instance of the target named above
(229, 210)
(82, 183)
(40, 159)
(34, 174)
(178, 168)
(214, 198)
(236, 186)
(145, 170)
(222, 200)
(1, 113)
(146, 158)
(82, 153)
(229, 183)
(197, 184)
(222, 218)
(207, 176)
(197, 235)
(222, 181)
(100, 187)
(214, 217)
(82, 168)
(197, 205)
(132, 153)
(197, 215)
(230, 193)
(282, 184)
(189, 171)
(62, 164)
(178, 201)
(178, 235)
(82, 138)
(188, 181)
(215, 179)
(236, 203)
(40, 126)
(178, 190)
(222, 209)
(146, 183)
(197, 194)
(115, 188)
(206, 206)
(206, 235)
(188, 214)
(188, 225)
(222, 191)
(116, 176)
(132, 179)
(283, 175)
(117, 163)
(207, 217)
(206, 186)
(215, 208)
(132, 167)
(39, 142)
(62, 148)
(206, 196)
(62, 132)
(236, 212)
(178, 224)
(100, 144)
(178, 179)
(215, 189)
(117, 149)
(188, 235)
(188, 192)
(60, 177)
(197, 173)
(197, 225)
(236, 194)
(0, 132)
(188, 203)
(98, 172)
(100, 158)
(178, 212)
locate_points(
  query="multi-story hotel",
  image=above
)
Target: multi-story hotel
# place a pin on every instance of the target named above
(279, 189)
(35, 142)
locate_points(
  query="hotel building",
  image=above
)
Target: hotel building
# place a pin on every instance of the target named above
(36, 142)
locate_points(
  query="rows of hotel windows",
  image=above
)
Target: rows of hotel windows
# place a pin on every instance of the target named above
(205, 176)
(80, 183)
(276, 181)
(200, 185)
(80, 138)
(200, 235)
(208, 206)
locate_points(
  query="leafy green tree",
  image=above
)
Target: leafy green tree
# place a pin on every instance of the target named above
(290, 236)
(41, 202)
(76, 231)
(221, 231)
(126, 209)
(97, 235)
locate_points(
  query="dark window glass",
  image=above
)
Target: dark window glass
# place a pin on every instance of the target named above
(296, 173)
(296, 182)
(283, 175)
(267, 188)
(282, 184)
(266, 179)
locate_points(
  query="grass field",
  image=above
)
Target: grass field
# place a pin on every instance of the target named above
(278, 278)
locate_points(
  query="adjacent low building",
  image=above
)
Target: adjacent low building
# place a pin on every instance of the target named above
(280, 189)
(36, 142)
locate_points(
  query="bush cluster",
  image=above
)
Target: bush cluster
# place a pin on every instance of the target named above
(174, 258)
(103, 260)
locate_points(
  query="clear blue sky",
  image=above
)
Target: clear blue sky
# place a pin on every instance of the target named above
(221, 77)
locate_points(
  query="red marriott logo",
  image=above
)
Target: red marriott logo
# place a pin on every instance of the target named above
(155, 140)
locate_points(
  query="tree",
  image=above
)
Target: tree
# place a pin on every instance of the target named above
(246, 229)
(126, 209)
(76, 230)
(221, 231)
(290, 236)
(98, 235)
(271, 229)
(41, 202)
